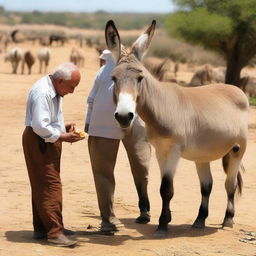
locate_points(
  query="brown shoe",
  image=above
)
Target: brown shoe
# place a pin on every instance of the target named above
(62, 241)
(42, 235)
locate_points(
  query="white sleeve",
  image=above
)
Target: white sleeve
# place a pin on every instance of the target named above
(41, 119)
(91, 98)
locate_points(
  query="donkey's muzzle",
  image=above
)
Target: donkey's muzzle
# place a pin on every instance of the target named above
(124, 120)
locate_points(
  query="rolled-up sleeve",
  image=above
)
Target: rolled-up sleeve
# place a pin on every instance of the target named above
(41, 119)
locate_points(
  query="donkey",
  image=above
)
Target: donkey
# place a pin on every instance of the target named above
(44, 56)
(208, 75)
(15, 56)
(77, 57)
(200, 124)
(29, 60)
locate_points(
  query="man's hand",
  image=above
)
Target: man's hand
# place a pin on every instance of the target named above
(70, 137)
(70, 127)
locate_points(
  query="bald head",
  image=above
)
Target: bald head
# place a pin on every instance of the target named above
(65, 78)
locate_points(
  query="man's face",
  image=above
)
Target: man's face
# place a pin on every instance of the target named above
(68, 86)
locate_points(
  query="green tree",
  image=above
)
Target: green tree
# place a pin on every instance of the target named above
(225, 26)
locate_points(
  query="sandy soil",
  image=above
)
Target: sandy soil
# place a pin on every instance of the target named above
(80, 203)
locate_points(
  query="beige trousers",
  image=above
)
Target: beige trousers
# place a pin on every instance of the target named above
(103, 154)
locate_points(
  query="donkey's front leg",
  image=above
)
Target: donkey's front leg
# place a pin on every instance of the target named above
(167, 162)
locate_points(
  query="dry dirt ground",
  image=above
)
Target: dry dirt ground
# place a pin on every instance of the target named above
(80, 203)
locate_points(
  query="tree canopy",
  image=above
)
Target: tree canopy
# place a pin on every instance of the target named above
(226, 26)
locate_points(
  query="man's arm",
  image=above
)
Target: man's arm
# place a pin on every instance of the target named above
(90, 101)
(41, 123)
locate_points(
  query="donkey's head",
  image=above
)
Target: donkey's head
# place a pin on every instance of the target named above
(128, 74)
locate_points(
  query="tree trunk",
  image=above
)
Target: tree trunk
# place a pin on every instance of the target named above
(238, 56)
(234, 68)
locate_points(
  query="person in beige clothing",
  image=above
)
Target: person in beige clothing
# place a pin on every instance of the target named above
(103, 143)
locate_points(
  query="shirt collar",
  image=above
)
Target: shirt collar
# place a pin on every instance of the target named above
(53, 92)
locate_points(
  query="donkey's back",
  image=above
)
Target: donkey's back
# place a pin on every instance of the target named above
(215, 120)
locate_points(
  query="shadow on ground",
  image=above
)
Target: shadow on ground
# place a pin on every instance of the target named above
(141, 232)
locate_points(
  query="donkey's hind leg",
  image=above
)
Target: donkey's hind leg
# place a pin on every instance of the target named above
(231, 163)
(205, 177)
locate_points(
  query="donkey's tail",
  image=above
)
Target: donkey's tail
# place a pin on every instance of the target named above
(225, 163)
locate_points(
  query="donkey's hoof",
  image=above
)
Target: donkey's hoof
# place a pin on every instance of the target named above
(144, 218)
(160, 233)
(199, 223)
(227, 223)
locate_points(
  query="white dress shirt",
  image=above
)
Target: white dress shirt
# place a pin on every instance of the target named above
(44, 110)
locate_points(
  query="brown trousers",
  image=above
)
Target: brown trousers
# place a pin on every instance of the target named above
(103, 154)
(43, 164)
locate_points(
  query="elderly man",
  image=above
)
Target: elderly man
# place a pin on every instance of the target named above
(42, 139)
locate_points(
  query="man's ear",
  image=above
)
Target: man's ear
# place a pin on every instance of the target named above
(113, 39)
(141, 45)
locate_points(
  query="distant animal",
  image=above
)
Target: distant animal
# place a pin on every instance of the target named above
(29, 61)
(200, 124)
(208, 75)
(32, 37)
(4, 41)
(89, 42)
(77, 57)
(17, 36)
(44, 56)
(15, 57)
(162, 70)
(249, 85)
(158, 69)
(44, 41)
(59, 39)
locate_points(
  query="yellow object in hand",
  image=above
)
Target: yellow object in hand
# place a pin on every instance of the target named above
(82, 134)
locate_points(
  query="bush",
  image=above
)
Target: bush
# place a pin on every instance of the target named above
(180, 51)
(252, 101)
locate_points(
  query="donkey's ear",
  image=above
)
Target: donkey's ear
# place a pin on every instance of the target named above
(141, 45)
(113, 39)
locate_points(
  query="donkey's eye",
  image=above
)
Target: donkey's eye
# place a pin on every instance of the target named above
(140, 78)
(113, 78)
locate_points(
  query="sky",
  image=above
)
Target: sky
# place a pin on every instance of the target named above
(153, 6)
